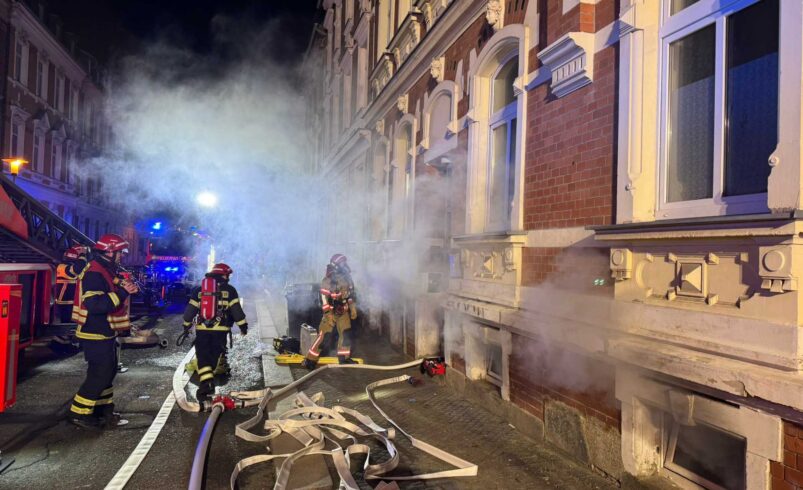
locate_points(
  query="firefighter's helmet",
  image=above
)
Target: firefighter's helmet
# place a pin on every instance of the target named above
(221, 269)
(74, 252)
(111, 242)
(339, 262)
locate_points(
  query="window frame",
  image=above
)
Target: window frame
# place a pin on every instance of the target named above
(38, 150)
(673, 28)
(670, 439)
(503, 117)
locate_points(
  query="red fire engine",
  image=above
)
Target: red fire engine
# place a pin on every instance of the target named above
(32, 242)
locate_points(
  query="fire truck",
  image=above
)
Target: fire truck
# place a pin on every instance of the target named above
(32, 242)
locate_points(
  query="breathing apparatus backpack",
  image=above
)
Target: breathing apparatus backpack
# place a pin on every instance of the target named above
(210, 314)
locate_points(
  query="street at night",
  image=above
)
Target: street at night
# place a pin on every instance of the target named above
(401, 244)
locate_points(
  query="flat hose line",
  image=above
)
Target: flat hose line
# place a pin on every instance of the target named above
(139, 453)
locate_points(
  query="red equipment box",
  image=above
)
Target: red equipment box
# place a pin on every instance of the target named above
(10, 306)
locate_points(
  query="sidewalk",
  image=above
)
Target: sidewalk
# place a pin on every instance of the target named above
(434, 413)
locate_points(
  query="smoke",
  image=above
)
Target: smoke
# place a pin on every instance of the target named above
(230, 123)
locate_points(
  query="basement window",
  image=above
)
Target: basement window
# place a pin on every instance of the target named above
(708, 456)
(493, 361)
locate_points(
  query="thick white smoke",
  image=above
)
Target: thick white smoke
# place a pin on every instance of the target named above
(231, 124)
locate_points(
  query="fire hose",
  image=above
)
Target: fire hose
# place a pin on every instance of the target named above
(313, 436)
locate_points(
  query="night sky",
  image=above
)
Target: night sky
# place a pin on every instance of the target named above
(110, 29)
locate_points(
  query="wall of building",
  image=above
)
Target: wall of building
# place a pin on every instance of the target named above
(590, 327)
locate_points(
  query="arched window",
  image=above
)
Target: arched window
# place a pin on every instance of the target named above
(502, 145)
(399, 180)
(439, 118)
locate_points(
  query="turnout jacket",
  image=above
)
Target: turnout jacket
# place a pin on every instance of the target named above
(229, 310)
(100, 306)
(337, 293)
(67, 275)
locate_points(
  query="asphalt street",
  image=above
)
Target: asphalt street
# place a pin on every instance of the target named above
(50, 453)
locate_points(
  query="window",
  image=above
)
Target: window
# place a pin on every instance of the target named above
(55, 161)
(706, 455)
(404, 9)
(40, 78)
(38, 151)
(74, 105)
(58, 93)
(19, 60)
(720, 106)
(391, 183)
(493, 363)
(439, 119)
(385, 27)
(16, 141)
(502, 146)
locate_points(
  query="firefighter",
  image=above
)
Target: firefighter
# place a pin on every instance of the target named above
(67, 273)
(100, 310)
(339, 309)
(217, 307)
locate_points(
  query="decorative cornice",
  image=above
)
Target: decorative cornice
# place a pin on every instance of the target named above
(570, 59)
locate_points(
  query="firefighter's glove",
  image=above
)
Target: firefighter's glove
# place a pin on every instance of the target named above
(244, 329)
(327, 308)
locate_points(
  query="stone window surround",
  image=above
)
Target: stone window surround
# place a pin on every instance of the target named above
(507, 42)
(646, 401)
(638, 173)
(476, 335)
(18, 118)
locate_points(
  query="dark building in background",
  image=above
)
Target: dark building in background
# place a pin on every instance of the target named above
(53, 115)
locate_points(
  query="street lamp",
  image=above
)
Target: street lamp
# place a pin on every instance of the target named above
(14, 164)
(207, 199)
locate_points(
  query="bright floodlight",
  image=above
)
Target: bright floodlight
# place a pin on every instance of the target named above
(207, 199)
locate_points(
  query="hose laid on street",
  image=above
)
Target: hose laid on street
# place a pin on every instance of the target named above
(199, 460)
(249, 398)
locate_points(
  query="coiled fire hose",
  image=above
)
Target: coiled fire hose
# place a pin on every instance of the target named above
(327, 419)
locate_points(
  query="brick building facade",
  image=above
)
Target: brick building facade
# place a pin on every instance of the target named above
(571, 200)
(53, 115)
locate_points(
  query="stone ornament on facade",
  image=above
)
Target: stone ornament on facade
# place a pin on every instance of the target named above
(402, 103)
(621, 264)
(437, 68)
(494, 13)
(380, 126)
(570, 59)
(775, 269)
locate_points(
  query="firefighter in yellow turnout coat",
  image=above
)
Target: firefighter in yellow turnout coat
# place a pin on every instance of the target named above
(213, 327)
(339, 309)
(67, 274)
(100, 309)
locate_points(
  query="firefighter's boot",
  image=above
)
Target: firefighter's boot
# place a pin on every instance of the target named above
(205, 390)
(88, 422)
(345, 360)
(309, 364)
(108, 418)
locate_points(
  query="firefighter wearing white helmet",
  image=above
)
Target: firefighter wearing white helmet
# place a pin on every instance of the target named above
(101, 310)
(214, 307)
(339, 309)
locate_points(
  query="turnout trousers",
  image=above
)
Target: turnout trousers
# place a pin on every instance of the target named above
(210, 347)
(95, 396)
(329, 322)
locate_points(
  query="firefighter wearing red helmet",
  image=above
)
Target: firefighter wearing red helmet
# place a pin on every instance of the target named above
(67, 273)
(339, 309)
(100, 309)
(214, 307)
